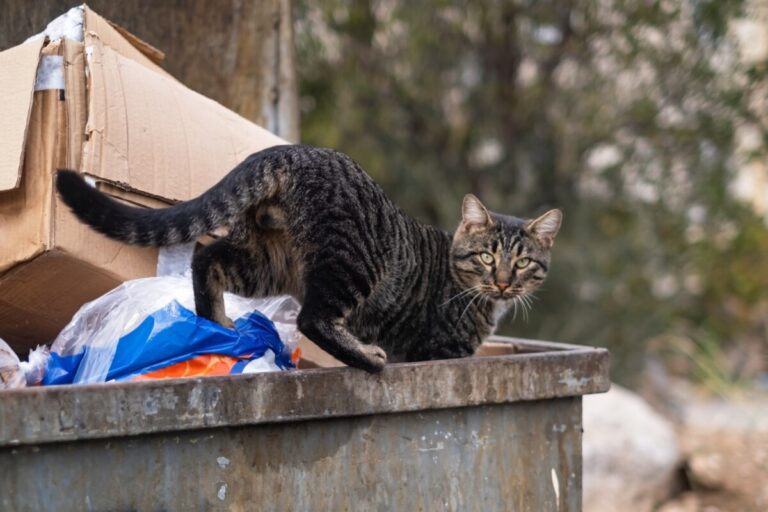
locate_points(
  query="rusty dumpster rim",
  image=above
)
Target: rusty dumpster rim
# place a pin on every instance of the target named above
(540, 371)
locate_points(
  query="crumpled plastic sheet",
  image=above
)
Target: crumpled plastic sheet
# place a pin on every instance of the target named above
(156, 310)
(18, 374)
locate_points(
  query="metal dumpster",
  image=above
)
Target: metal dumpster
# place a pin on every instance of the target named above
(483, 433)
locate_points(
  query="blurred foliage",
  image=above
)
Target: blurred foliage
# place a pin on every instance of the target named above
(629, 115)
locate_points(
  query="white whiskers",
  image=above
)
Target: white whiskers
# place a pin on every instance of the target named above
(462, 294)
(475, 296)
(525, 306)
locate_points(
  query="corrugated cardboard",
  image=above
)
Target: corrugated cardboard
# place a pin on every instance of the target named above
(17, 88)
(190, 133)
(313, 356)
(125, 122)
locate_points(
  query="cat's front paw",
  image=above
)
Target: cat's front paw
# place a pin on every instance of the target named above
(374, 358)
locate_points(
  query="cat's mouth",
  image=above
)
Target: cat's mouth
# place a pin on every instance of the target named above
(507, 294)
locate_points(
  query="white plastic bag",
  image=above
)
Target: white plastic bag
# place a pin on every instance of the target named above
(18, 374)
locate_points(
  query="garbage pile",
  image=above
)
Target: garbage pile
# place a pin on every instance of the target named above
(146, 329)
(89, 96)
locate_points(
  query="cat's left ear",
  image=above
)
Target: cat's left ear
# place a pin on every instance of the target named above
(545, 228)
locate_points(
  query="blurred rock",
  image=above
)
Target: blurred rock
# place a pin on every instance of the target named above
(688, 502)
(630, 453)
(705, 470)
(746, 414)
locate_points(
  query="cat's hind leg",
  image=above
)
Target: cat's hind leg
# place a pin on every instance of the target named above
(211, 277)
(259, 266)
(323, 320)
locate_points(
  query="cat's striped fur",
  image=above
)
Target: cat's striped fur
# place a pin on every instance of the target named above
(372, 281)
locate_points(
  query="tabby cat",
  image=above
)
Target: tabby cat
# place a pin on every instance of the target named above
(372, 282)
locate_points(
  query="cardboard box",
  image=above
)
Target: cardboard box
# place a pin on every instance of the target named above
(313, 356)
(94, 99)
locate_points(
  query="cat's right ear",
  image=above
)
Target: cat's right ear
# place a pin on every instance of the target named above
(474, 215)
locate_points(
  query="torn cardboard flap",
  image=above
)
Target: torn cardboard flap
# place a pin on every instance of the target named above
(155, 135)
(75, 94)
(17, 85)
(123, 42)
(25, 229)
(23, 72)
(149, 51)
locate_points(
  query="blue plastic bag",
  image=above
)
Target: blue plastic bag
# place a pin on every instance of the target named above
(146, 329)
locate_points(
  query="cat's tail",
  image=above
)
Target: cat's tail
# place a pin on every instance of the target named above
(247, 184)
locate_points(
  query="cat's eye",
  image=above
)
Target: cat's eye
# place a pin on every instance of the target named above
(486, 257)
(522, 262)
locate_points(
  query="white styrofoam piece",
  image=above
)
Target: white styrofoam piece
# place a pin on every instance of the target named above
(50, 73)
(175, 260)
(67, 26)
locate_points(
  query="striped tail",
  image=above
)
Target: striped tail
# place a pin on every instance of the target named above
(180, 223)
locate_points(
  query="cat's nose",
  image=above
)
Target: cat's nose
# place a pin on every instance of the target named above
(502, 286)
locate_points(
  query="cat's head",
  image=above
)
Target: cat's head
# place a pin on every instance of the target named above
(501, 256)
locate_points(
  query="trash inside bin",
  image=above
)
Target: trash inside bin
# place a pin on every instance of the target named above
(15, 373)
(101, 104)
(146, 329)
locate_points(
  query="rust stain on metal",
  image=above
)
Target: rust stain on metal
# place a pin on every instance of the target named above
(482, 458)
